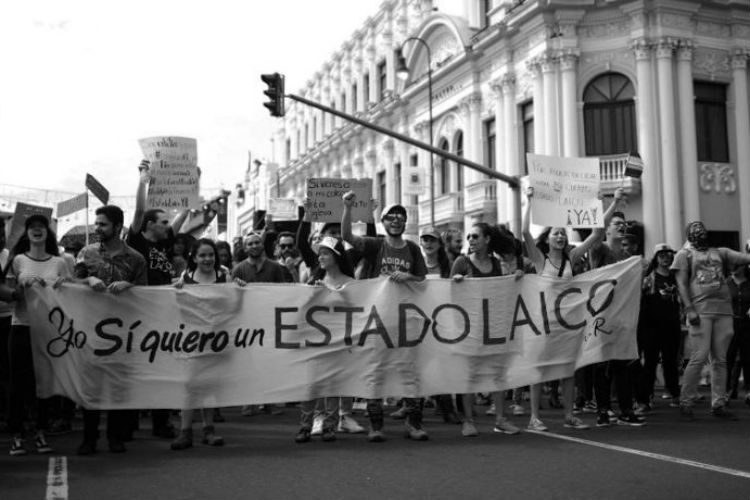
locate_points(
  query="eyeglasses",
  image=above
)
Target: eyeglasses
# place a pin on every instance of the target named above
(394, 217)
(617, 223)
(286, 245)
(472, 236)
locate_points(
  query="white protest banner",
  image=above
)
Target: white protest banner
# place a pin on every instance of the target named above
(222, 345)
(282, 208)
(327, 205)
(175, 182)
(565, 191)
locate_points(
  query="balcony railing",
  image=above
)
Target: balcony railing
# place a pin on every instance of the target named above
(481, 196)
(612, 170)
(449, 209)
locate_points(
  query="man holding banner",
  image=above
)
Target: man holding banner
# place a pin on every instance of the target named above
(153, 237)
(108, 266)
(401, 260)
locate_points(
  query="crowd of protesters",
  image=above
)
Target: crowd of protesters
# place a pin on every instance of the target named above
(695, 306)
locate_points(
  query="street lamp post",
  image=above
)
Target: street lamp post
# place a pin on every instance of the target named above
(402, 71)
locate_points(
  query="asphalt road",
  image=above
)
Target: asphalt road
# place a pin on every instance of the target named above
(669, 458)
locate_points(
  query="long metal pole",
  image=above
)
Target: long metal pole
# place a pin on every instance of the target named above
(512, 181)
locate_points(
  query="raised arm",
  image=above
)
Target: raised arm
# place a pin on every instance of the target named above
(140, 196)
(346, 223)
(303, 237)
(536, 256)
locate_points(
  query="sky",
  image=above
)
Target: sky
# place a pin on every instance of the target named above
(83, 80)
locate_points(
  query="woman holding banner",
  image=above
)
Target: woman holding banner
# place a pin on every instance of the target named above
(333, 271)
(481, 263)
(203, 267)
(34, 260)
(551, 258)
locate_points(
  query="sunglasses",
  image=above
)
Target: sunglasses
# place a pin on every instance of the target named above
(394, 217)
(286, 245)
(472, 236)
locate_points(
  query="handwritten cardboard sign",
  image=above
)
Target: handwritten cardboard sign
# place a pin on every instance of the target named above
(175, 182)
(73, 205)
(327, 205)
(565, 191)
(24, 211)
(282, 208)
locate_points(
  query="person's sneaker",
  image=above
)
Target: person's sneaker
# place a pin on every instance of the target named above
(86, 448)
(210, 438)
(328, 434)
(17, 447)
(577, 410)
(536, 425)
(721, 412)
(602, 419)
(589, 407)
(415, 433)
(183, 441)
(674, 403)
(349, 425)
(317, 428)
(504, 426)
(116, 446)
(41, 444)
(611, 413)
(376, 436)
(517, 410)
(575, 423)
(303, 436)
(399, 414)
(686, 412)
(642, 409)
(59, 427)
(630, 419)
(468, 429)
(492, 410)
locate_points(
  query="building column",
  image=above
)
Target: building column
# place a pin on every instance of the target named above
(569, 104)
(538, 99)
(512, 163)
(668, 133)
(550, 121)
(742, 125)
(390, 179)
(502, 191)
(473, 139)
(689, 150)
(647, 134)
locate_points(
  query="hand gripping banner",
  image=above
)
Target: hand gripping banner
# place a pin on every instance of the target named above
(222, 345)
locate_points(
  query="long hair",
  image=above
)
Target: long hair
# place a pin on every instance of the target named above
(342, 261)
(542, 241)
(221, 244)
(654, 263)
(444, 261)
(23, 245)
(191, 264)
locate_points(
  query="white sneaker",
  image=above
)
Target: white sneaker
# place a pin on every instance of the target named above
(349, 425)
(504, 426)
(468, 429)
(536, 425)
(575, 423)
(317, 428)
(491, 410)
(517, 410)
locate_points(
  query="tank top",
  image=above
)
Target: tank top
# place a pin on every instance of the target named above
(564, 271)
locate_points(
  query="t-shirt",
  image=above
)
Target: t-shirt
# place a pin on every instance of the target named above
(127, 265)
(24, 268)
(463, 265)
(187, 277)
(707, 271)
(270, 271)
(158, 255)
(660, 299)
(385, 259)
(604, 255)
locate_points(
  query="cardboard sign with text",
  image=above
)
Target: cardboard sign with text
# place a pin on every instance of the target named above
(24, 211)
(282, 208)
(327, 205)
(565, 191)
(73, 205)
(175, 182)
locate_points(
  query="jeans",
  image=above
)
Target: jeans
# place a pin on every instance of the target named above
(740, 344)
(118, 425)
(662, 341)
(709, 340)
(620, 372)
(330, 412)
(413, 412)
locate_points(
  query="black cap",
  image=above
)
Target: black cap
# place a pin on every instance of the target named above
(36, 218)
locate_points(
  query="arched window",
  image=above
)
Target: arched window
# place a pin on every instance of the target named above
(442, 176)
(609, 115)
(459, 168)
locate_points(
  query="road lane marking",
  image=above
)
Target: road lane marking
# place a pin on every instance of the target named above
(656, 456)
(57, 479)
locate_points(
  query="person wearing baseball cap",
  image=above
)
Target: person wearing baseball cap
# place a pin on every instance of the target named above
(401, 261)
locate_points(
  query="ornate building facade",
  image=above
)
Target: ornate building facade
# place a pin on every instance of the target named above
(667, 79)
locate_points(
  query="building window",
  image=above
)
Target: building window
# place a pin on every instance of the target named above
(307, 135)
(299, 143)
(414, 161)
(354, 97)
(343, 102)
(489, 144)
(485, 7)
(366, 91)
(288, 150)
(314, 128)
(381, 188)
(459, 168)
(442, 175)
(397, 174)
(382, 74)
(711, 121)
(527, 115)
(609, 115)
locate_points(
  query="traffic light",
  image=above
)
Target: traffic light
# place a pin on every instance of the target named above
(275, 92)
